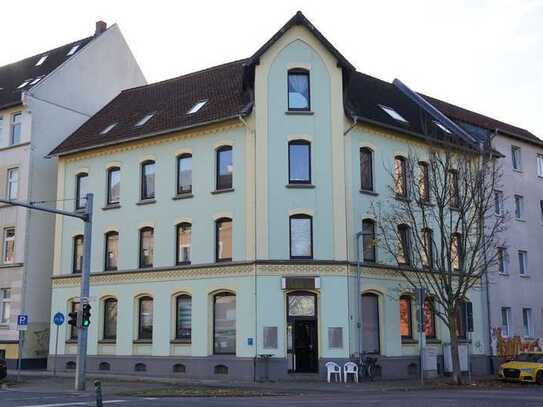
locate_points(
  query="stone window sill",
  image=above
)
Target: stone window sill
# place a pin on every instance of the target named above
(107, 341)
(183, 196)
(146, 202)
(408, 341)
(71, 341)
(368, 192)
(181, 342)
(142, 342)
(300, 112)
(111, 206)
(300, 186)
(222, 191)
(525, 275)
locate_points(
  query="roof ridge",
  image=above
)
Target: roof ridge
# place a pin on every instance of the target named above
(187, 75)
(46, 52)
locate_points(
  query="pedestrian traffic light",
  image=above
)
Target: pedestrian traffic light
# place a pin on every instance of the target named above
(85, 317)
(72, 318)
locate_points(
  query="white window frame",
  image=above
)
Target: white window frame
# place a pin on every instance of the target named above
(527, 323)
(504, 257)
(5, 303)
(506, 312)
(7, 239)
(498, 197)
(523, 262)
(12, 182)
(518, 166)
(16, 120)
(519, 207)
(540, 165)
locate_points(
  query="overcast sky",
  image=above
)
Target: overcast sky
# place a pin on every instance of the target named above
(484, 55)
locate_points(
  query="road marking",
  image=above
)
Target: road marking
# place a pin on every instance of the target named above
(76, 403)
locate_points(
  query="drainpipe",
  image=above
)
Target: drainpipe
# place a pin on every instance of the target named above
(349, 316)
(252, 132)
(359, 248)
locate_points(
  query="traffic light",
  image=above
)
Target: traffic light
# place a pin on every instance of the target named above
(72, 319)
(85, 317)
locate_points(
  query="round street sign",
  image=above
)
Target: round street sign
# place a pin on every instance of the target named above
(58, 319)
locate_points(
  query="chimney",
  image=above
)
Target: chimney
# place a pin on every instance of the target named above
(101, 27)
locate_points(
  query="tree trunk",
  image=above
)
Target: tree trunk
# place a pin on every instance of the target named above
(455, 354)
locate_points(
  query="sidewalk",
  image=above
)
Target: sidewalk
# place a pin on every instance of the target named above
(43, 381)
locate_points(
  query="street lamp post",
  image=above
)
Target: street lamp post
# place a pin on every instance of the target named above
(85, 274)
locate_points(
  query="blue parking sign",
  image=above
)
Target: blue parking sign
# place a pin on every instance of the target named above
(22, 320)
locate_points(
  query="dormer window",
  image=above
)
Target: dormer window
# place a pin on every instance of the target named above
(298, 90)
(393, 113)
(108, 128)
(438, 124)
(41, 60)
(73, 50)
(145, 119)
(22, 85)
(197, 107)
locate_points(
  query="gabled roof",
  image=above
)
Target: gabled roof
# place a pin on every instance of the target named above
(170, 101)
(300, 19)
(17, 73)
(466, 116)
(364, 101)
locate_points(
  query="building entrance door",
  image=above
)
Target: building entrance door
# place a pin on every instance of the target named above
(303, 355)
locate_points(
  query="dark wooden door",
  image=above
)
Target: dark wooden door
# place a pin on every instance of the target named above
(305, 346)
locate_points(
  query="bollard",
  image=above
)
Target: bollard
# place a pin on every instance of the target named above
(98, 386)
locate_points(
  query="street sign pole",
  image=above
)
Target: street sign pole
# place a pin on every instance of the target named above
(19, 354)
(56, 353)
(84, 297)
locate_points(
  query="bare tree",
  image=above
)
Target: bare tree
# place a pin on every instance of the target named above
(440, 227)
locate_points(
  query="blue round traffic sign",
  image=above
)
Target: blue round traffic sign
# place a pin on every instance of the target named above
(58, 319)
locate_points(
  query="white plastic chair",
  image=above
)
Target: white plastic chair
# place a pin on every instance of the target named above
(350, 368)
(333, 368)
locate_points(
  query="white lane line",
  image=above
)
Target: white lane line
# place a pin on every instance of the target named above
(76, 403)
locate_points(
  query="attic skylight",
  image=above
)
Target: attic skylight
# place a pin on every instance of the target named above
(73, 50)
(36, 80)
(41, 60)
(393, 113)
(22, 85)
(197, 106)
(438, 124)
(145, 119)
(108, 128)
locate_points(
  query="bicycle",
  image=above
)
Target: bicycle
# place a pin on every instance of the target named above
(367, 367)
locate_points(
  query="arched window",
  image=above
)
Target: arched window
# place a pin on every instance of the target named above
(110, 319)
(424, 182)
(184, 174)
(404, 245)
(406, 317)
(74, 307)
(223, 239)
(183, 318)
(299, 162)
(400, 176)
(147, 180)
(429, 318)
(224, 323)
(298, 90)
(77, 257)
(184, 241)
(113, 186)
(81, 190)
(454, 190)
(368, 240)
(224, 168)
(427, 252)
(301, 237)
(370, 323)
(147, 247)
(366, 169)
(145, 318)
(111, 255)
(140, 367)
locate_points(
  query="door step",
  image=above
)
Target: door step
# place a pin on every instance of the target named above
(304, 377)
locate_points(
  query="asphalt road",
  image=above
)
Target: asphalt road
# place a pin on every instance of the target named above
(528, 396)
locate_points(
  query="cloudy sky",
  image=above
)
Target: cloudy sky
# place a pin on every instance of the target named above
(486, 55)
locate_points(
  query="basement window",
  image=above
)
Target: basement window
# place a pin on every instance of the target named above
(393, 113)
(144, 119)
(108, 128)
(41, 60)
(197, 106)
(73, 50)
(438, 124)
